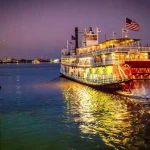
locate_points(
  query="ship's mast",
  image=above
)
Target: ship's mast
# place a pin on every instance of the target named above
(97, 32)
(126, 33)
(84, 38)
(124, 30)
(67, 44)
(76, 38)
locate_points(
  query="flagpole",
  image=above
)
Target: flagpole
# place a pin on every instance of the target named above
(113, 35)
(67, 44)
(125, 33)
(125, 22)
(97, 34)
(85, 37)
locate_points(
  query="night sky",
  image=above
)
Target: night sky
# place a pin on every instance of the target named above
(39, 28)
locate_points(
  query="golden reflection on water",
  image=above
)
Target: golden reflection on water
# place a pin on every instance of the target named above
(119, 121)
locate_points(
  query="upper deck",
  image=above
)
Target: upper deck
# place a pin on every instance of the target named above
(108, 51)
(123, 45)
(113, 51)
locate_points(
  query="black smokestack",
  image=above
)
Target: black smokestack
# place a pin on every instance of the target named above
(76, 36)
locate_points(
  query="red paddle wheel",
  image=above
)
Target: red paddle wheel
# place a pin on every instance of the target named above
(137, 70)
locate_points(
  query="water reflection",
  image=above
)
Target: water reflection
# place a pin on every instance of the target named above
(141, 87)
(121, 122)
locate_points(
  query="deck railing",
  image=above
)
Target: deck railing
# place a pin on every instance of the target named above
(108, 50)
(104, 63)
(96, 81)
(136, 59)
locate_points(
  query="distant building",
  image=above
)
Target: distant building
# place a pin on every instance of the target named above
(7, 60)
(56, 60)
(14, 61)
(35, 61)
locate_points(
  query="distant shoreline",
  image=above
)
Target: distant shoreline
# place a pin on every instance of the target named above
(26, 62)
(12, 61)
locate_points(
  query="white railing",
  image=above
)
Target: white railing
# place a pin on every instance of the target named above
(104, 63)
(109, 50)
(139, 59)
(95, 64)
(95, 81)
(109, 62)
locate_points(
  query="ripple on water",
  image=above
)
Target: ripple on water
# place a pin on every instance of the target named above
(40, 114)
(121, 122)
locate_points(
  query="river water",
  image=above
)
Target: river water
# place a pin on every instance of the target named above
(41, 111)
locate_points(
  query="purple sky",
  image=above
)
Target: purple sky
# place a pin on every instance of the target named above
(39, 28)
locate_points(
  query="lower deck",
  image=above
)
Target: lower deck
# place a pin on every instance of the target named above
(110, 74)
(100, 75)
(96, 83)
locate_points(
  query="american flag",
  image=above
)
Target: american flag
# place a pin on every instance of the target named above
(73, 38)
(71, 43)
(124, 30)
(114, 33)
(130, 24)
(98, 30)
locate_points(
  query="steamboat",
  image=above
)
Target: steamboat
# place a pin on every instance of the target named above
(116, 61)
